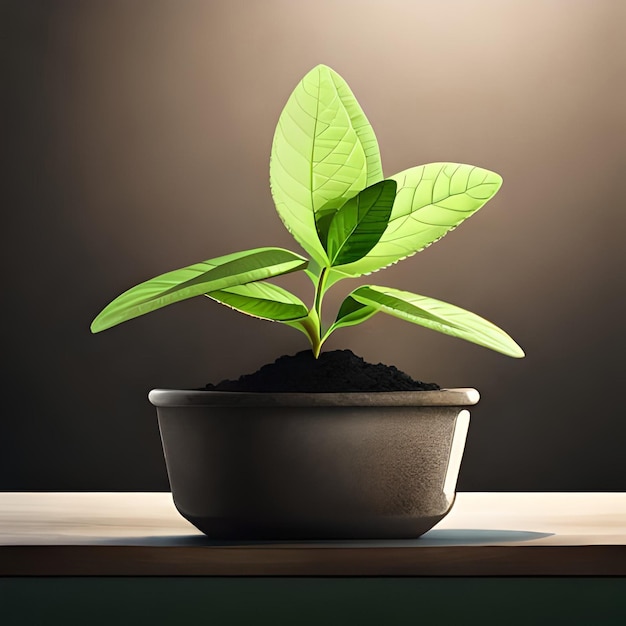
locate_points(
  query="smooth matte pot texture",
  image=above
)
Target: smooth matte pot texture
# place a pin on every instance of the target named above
(313, 465)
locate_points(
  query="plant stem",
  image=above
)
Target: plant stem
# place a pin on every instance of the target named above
(312, 328)
(315, 327)
(316, 340)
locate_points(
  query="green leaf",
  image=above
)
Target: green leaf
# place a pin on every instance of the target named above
(360, 223)
(431, 200)
(437, 315)
(351, 313)
(324, 152)
(219, 273)
(263, 300)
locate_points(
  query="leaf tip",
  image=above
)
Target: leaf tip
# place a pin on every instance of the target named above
(513, 349)
(322, 67)
(518, 353)
(96, 326)
(103, 321)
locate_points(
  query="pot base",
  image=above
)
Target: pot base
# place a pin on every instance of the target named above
(241, 529)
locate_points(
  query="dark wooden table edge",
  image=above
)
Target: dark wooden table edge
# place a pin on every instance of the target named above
(237, 561)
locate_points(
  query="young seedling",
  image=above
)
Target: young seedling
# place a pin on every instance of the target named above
(327, 182)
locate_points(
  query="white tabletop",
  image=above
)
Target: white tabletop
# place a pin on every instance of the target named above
(48, 533)
(493, 519)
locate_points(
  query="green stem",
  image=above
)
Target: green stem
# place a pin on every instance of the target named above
(313, 323)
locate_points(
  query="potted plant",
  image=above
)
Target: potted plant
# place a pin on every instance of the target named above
(339, 464)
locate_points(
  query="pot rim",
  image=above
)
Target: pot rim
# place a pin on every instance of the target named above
(461, 396)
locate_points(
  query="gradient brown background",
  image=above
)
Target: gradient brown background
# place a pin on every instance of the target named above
(136, 141)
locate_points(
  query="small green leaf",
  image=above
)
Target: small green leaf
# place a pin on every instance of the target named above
(263, 300)
(437, 315)
(219, 273)
(431, 200)
(324, 151)
(360, 223)
(351, 313)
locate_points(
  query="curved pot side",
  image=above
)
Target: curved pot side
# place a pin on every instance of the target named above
(313, 472)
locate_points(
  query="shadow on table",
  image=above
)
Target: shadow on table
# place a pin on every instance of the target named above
(453, 536)
(447, 537)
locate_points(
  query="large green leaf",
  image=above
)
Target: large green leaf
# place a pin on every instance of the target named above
(359, 224)
(437, 315)
(324, 152)
(431, 200)
(194, 280)
(263, 300)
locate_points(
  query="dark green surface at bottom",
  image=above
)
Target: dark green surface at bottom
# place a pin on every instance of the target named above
(304, 601)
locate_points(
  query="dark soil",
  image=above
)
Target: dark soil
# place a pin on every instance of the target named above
(335, 371)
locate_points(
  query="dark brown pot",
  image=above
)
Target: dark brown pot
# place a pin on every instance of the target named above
(313, 466)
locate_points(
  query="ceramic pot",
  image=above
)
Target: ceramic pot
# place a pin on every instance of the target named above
(313, 465)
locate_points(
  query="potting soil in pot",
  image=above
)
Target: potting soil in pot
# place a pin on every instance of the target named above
(334, 371)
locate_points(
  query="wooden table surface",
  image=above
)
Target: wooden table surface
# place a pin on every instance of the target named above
(141, 534)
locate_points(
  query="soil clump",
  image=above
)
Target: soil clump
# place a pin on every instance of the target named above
(334, 371)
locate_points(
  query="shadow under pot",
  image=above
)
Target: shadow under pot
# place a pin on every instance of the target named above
(313, 465)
